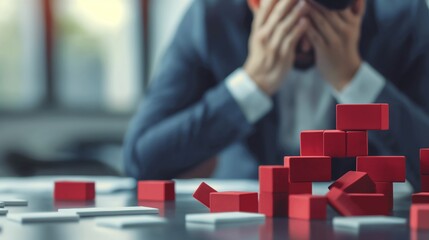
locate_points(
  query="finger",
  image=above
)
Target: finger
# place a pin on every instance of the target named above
(359, 7)
(331, 16)
(323, 27)
(263, 12)
(314, 37)
(286, 25)
(283, 8)
(291, 41)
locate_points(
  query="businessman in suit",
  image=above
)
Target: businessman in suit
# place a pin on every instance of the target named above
(240, 84)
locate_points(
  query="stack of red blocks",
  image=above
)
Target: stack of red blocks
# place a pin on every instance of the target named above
(419, 213)
(286, 190)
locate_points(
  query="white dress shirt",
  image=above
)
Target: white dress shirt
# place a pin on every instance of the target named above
(304, 99)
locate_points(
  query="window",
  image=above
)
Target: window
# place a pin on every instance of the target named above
(97, 54)
(21, 68)
(74, 55)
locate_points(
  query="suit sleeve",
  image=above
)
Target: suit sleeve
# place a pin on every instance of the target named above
(186, 117)
(409, 102)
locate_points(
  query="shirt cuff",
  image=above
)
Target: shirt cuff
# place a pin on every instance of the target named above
(252, 101)
(365, 87)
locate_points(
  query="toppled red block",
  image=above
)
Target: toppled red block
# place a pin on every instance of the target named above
(355, 182)
(371, 203)
(234, 202)
(420, 198)
(342, 203)
(273, 179)
(312, 143)
(202, 194)
(300, 188)
(334, 143)
(362, 116)
(74, 191)
(383, 168)
(274, 204)
(357, 143)
(424, 180)
(419, 216)
(386, 188)
(424, 161)
(156, 190)
(308, 169)
(307, 207)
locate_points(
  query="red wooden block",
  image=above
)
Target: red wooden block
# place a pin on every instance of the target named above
(308, 169)
(424, 161)
(371, 203)
(74, 191)
(419, 216)
(273, 179)
(362, 116)
(234, 202)
(274, 204)
(342, 203)
(386, 188)
(202, 194)
(424, 180)
(355, 182)
(307, 207)
(334, 143)
(312, 143)
(300, 188)
(420, 198)
(383, 168)
(156, 190)
(357, 143)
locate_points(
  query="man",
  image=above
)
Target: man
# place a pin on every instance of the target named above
(240, 85)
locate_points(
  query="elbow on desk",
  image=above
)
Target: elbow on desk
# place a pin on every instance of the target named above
(141, 161)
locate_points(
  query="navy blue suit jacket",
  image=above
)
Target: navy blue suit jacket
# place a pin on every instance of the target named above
(188, 115)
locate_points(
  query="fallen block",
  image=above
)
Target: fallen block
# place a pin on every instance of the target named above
(386, 188)
(420, 198)
(156, 190)
(307, 207)
(419, 217)
(234, 202)
(424, 180)
(371, 203)
(334, 143)
(382, 168)
(342, 203)
(357, 143)
(355, 182)
(74, 191)
(308, 169)
(363, 117)
(424, 161)
(300, 188)
(311, 143)
(273, 179)
(202, 194)
(274, 204)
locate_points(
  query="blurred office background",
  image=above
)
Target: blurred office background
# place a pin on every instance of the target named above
(72, 73)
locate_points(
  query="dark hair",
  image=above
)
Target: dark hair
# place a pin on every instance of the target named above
(335, 4)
